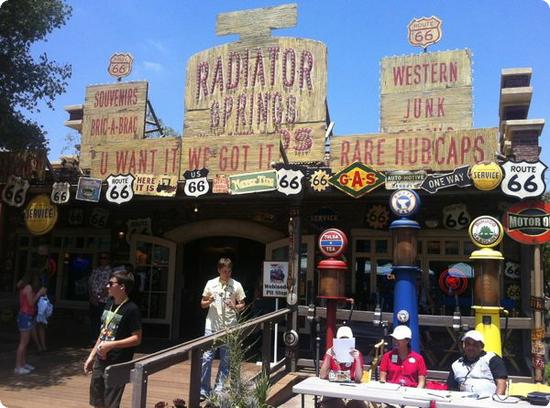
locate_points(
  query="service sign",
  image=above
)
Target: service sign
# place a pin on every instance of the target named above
(324, 217)
(15, 191)
(112, 112)
(528, 222)
(486, 176)
(427, 91)
(456, 216)
(120, 65)
(120, 188)
(486, 231)
(289, 180)
(196, 183)
(60, 193)
(404, 203)
(40, 215)
(523, 179)
(88, 189)
(437, 151)
(275, 279)
(402, 179)
(424, 31)
(153, 185)
(357, 179)
(253, 182)
(460, 177)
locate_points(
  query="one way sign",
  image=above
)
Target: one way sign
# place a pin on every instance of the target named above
(458, 178)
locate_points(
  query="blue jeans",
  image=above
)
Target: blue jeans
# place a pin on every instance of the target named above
(223, 370)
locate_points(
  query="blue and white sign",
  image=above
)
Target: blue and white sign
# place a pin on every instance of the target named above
(89, 189)
(404, 203)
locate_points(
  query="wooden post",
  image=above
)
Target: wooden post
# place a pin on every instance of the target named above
(195, 378)
(139, 386)
(266, 346)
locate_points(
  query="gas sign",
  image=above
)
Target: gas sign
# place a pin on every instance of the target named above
(357, 179)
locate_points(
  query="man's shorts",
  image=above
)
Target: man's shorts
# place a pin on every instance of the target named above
(25, 322)
(100, 394)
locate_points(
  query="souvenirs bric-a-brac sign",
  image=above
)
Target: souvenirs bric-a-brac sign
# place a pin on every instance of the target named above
(377, 217)
(289, 180)
(120, 188)
(424, 31)
(428, 91)
(88, 189)
(404, 203)
(357, 179)
(403, 179)
(528, 222)
(435, 150)
(460, 177)
(15, 191)
(40, 215)
(196, 182)
(275, 279)
(99, 217)
(486, 176)
(486, 231)
(60, 192)
(148, 156)
(112, 112)
(332, 242)
(156, 185)
(523, 179)
(220, 184)
(253, 182)
(120, 65)
(318, 181)
(456, 216)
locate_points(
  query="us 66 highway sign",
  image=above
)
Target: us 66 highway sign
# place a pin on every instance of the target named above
(523, 179)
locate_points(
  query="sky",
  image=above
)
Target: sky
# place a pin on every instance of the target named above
(162, 36)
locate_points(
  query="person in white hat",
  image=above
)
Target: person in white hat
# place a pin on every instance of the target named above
(401, 365)
(353, 370)
(477, 371)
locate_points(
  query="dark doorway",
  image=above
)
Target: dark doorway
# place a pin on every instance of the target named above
(200, 258)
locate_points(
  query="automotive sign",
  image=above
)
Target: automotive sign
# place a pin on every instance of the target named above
(528, 222)
(357, 179)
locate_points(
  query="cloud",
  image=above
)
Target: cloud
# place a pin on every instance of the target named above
(153, 66)
(157, 45)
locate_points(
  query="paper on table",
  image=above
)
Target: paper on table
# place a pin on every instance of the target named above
(341, 348)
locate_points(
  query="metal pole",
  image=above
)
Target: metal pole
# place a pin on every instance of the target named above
(276, 334)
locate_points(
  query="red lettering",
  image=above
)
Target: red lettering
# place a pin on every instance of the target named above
(344, 151)
(357, 181)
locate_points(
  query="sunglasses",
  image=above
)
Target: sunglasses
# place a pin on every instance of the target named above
(111, 283)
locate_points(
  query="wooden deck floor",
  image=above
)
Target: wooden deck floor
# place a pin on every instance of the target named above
(59, 381)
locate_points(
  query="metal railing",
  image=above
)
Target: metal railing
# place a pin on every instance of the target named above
(137, 371)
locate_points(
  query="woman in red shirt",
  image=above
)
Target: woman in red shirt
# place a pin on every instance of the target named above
(401, 365)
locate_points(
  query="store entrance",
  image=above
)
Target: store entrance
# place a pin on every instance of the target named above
(200, 258)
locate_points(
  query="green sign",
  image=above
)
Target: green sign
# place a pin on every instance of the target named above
(357, 179)
(253, 182)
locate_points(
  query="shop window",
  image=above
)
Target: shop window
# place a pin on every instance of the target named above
(469, 247)
(433, 247)
(452, 248)
(385, 280)
(76, 271)
(362, 245)
(381, 246)
(451, 286)
(362, 284)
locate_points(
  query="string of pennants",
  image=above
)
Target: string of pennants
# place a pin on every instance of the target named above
(517, 179)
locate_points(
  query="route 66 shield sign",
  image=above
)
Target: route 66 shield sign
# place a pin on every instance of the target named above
(289, 181)
(523, 179)
(60, 193)
(15, 191)
(196, 183)
(456, 216)
(424, 31)
(120, 188)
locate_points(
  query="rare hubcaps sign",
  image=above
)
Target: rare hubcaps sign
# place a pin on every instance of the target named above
(458, 178)
(357, 179)
(486, 231)
(528, 222)
(120, 188)
(60, 193)
(486, 176)
(523, 179)
(424, 31)
(404, 203)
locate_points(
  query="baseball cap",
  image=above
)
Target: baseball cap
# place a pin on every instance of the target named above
(344, 331)
(474, 335)
(401, 332)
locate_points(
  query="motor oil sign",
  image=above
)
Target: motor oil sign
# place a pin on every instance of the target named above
(528, 222)
(357, 179)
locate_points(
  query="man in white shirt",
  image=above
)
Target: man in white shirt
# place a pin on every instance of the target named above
(224, 299)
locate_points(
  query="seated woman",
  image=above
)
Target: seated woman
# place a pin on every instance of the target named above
(353, 370)
(401, 365)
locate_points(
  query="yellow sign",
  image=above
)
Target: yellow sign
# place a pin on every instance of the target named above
(357, 179)
(486, 176)
(40, 215)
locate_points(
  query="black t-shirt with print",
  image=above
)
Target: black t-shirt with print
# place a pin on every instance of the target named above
(118, 326)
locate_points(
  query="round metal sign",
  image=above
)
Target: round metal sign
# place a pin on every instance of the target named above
(404, 202)
(486, 232)
(40, 215)
(332, 242)
(453, 281)
(486, 176)
(528, 222)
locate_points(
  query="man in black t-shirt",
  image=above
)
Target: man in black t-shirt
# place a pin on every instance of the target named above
(119, 335)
